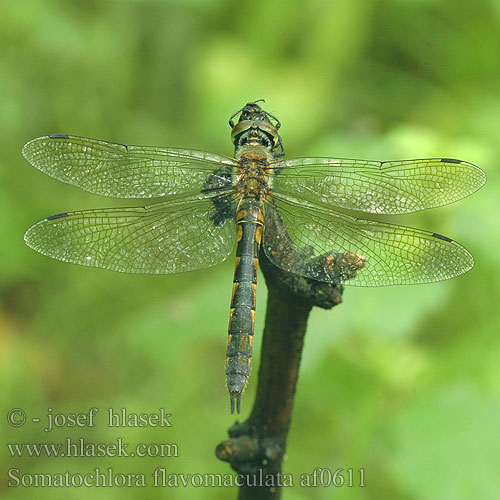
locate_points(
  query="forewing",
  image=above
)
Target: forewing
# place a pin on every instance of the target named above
(392, 187)
(168, 237)
(334, 247)
(122, 171)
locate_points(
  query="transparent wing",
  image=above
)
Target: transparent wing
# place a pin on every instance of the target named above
(392, 187)
(169, 237)
(122, 171)
(333, 247)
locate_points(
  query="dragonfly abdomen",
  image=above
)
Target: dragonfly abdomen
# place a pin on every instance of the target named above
(249, 220)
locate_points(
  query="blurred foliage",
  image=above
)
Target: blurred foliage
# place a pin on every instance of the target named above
(403, 382)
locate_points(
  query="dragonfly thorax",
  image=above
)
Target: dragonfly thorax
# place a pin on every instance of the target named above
(253, 180)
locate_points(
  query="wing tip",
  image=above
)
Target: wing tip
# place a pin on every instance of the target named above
(481, 174)
(27, 150)
(28, 239)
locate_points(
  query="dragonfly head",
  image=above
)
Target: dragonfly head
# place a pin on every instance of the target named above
(255, 127)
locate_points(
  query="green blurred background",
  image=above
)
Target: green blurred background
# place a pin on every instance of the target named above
(403, 382)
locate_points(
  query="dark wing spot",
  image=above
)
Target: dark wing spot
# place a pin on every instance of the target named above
(57, 216)
(450, 160)
(441, 237)
(59, 136)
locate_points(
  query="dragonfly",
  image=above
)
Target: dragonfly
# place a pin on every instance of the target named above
(303, 212)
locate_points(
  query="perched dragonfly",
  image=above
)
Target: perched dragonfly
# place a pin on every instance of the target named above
(211, 203)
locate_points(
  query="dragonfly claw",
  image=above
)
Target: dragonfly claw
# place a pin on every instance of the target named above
(232, 395)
